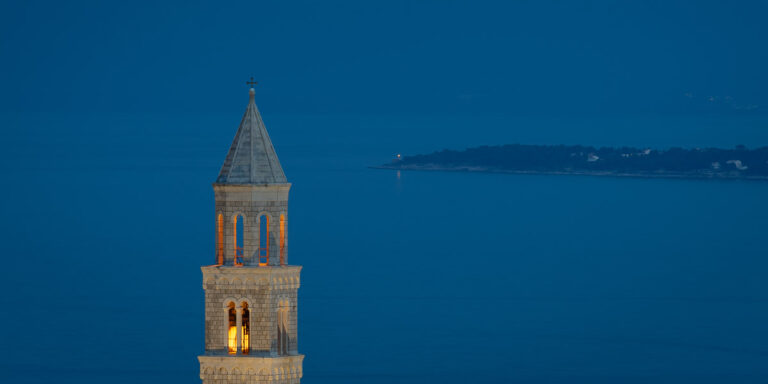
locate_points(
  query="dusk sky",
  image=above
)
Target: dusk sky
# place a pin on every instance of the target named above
(394, 57)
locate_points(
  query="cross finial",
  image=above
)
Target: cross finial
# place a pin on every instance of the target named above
(252, 83)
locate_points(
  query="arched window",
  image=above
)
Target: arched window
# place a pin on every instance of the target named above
(232, 329)
(239, 236)
(246, 330)
(220, 239)
(263, 240)
(282, 239)
(282, 329)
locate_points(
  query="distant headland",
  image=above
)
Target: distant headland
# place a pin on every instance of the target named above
(714, 163)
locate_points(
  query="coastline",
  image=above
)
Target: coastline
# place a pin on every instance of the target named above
(670, 175)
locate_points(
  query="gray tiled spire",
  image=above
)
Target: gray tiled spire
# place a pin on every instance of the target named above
(251, 158)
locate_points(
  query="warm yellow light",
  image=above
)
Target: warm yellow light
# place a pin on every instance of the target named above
(220, 239)
(232, 339)
(246, 344)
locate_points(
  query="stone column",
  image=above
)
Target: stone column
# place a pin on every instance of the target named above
(252, 328)
(226, 329)
(238, 321)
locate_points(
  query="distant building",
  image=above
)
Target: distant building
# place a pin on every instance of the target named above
(738, 164)
(250, 290)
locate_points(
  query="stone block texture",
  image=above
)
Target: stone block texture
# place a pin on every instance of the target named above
(249, 203)
(266, 290)
(251, 185)
(251, 370)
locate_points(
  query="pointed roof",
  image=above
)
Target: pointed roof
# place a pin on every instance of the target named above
(251, 158)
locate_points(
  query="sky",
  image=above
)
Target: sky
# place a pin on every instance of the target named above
(395, 57)
(114, 83)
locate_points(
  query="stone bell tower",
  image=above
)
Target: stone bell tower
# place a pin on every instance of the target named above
(251, 291)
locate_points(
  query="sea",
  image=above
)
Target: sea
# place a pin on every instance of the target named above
(408, 277)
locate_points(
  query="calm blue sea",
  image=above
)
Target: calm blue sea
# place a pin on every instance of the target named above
(418, 277)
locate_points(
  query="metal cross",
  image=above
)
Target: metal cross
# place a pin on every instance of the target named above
(252, 83)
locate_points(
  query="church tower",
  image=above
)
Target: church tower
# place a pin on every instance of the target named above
(250, 290)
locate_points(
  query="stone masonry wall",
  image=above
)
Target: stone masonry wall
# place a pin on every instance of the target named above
(263, 288)
(223, 370)
(251, 202)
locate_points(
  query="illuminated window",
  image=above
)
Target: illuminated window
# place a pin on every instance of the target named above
(263, 240)
(220, 239)
(239, 234)
(246, 330)
(232, 329)
(282, 239)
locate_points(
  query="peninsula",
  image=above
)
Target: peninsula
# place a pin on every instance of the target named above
(737, 163)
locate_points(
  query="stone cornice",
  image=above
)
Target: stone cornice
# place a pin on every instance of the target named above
(240, 187)
(251, 192)
(277, 277)
(268, 368)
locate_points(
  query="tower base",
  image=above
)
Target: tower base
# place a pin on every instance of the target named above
(251, 369)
